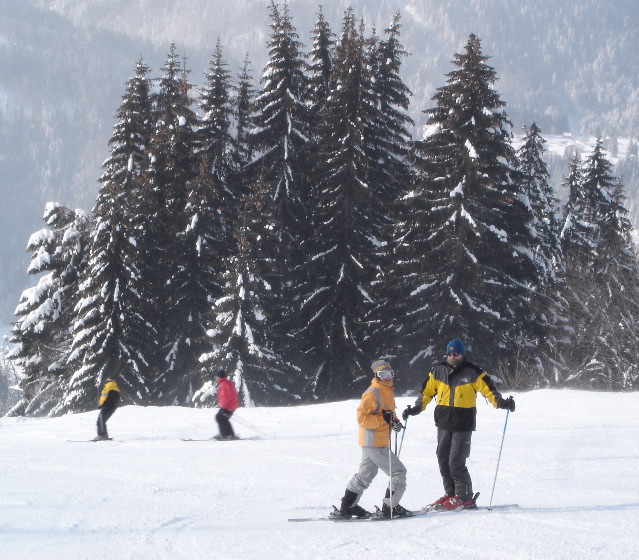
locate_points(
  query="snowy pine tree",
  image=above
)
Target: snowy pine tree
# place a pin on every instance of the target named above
(469, 265)
(346, 219)
(171, 258)
(387, 145)
(212, 209)
(601, 279)
(280, 139)
(42, 334)
(549, 330)
(113, 332)
(241, 335)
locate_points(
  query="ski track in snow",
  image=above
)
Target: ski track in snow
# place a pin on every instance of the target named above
(570, 459)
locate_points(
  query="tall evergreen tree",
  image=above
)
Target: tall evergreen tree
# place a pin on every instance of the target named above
(541, 197)
(575, 233)
(600, 186)
(113, 336)
(469, 265)
(170, 257)
(212, 208)
(548, 330)
(601, 271)
(241, 335)
(387, 145)
(280, 137)
(340, 268)
(42, 334)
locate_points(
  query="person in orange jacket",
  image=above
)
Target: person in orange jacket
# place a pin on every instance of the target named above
(228, 401)
(376, 418)
(107, 403)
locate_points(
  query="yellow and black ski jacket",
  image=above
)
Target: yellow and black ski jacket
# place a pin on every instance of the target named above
(110, 395)
(456, 390)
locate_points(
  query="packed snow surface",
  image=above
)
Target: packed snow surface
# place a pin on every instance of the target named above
(570, 459)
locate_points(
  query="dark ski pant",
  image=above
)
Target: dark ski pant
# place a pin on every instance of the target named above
(222, 418)
(453, 448)
(105, 414)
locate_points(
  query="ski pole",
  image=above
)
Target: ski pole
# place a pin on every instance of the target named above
(401, 441)
(499, 458)
(248, 425)
(390, 472)
(395, 443)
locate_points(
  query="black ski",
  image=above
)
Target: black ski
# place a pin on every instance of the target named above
(336, 516)
(237, 438)
(426, 511)
(88, 440)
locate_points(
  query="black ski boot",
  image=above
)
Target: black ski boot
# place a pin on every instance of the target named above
(398, 511)
(350, 509)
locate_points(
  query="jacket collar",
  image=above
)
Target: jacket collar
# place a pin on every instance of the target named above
(379, 383)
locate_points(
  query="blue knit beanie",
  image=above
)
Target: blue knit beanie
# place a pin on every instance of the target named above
(456, 346)
(221, 373)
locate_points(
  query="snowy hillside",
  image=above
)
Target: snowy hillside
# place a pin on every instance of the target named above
(569, 459)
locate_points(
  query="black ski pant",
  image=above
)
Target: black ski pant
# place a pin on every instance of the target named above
(105, 413)
(453, 448)
(222, 417)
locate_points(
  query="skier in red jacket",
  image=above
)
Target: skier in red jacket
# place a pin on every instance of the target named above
(228, 402)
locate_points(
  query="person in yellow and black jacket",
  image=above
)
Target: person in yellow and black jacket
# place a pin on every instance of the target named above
(108, 402)
(455, 383)
(376, 418)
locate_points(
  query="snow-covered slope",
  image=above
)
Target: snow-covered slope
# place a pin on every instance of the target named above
(569, 459)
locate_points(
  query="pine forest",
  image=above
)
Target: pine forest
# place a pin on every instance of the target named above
(289, 230)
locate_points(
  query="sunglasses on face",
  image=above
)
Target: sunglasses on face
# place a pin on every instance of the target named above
(453, 354)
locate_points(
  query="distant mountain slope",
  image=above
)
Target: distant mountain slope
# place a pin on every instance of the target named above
(570, 66)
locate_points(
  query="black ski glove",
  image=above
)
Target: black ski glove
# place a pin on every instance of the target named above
(388, 416)
(411, 411)
(508, 403)
(397, 425)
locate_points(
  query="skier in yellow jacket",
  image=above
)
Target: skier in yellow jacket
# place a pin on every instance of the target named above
(455, 383)
(108, 402)
(376, 418)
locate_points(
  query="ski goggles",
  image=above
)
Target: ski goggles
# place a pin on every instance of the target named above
(384, 372)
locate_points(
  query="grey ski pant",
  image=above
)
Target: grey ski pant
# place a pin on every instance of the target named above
(453, 448)
(373, 459)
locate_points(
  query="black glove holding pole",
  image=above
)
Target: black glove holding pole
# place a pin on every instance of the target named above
(390, 419)
(508, 403)
(411, 411)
